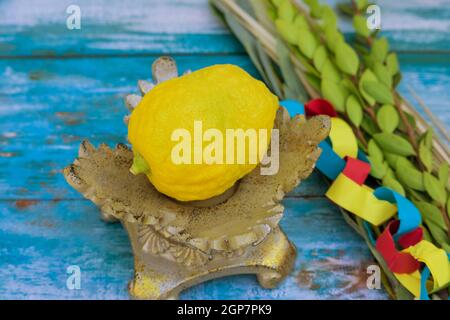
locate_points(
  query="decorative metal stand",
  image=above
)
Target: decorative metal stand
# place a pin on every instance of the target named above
(177, 245)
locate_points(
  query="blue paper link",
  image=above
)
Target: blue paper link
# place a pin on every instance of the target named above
(423, 283)
(362, 156)
(293, 107)
(408, 214)
(329, 163)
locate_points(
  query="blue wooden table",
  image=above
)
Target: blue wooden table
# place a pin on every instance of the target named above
(59, 86)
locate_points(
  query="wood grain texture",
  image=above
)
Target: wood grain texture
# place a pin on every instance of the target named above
(429, 76)
(58, 87)
(40, 239)
(180, 26)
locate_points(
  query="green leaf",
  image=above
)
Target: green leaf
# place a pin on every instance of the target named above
(394, 144)
(350, 86)
(426, 156)
(345, 8)
(320, 56)
(380, 49)
(379, 91)
(313, 80)
(397, 79)
(361, 4)
(306, 42)
(378, 169)
(443, 174)
(427, 138)
(286, 11)
(277, 3)
(375, 151)
(316, 10)
(440, 237)
(448, 208)
(346, 58)
(329, 18)
(388, 118)
(272, 13)
(408, 175)
(366, 77)
(411, 120)
(403, 162)
(332, 37)
(383, 74)
(431, 214)
(391, 158)
(433, 219)
(391, 182)
(334, 93)
(390, 172)
(354, 110)
(300, 22)
(360, 48)
(368, 60)
(287, 31)
(434, 189)
(310, 2)
(369, 126)
(392, 63)
(360, 26)
(330, 72)
(305, 62)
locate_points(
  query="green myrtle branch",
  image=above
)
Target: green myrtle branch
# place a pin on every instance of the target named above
(432, 190)
(361, 85)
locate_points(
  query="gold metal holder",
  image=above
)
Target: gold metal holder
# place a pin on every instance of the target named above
(177, 245)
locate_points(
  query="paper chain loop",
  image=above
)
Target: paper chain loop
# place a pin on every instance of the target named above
(342, 162)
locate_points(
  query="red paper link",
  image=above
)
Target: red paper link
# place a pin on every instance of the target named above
(319, 106)
(356, 170)
(411, 238)
(398, 262)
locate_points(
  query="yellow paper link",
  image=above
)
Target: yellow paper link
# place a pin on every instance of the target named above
(437, 261)
(343, 139)
(411, 282)
(360, 200)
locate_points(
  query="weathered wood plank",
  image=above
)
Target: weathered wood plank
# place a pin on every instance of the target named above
(429, 77)
(40, 239)
(113, 27)
(49, 106)
(175, 26)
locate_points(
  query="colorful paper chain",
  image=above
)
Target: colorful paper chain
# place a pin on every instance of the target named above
(342, 162)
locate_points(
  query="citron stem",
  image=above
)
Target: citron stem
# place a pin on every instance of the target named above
(139, 165)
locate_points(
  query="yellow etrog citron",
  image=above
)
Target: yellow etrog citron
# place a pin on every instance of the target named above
(219, 97)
